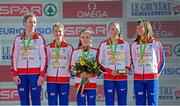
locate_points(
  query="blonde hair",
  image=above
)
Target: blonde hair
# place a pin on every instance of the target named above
(58, 25)
(115, 23)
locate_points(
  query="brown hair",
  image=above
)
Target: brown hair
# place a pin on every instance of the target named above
(148, 29)
(26, 16)
(87, 30)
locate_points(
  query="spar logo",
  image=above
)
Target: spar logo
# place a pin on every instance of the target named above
(13, 10)
(11, 94)
(73, 30)
(50, 9)
(20, 9)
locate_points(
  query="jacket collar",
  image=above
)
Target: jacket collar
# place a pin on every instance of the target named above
(149, 41)
(85, 48)
(35, 36)
(63, 44)
(120, 41)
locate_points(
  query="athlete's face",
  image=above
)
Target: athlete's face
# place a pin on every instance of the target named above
(85, 38)
(58, 32)
(114, 31)
(30, 24)
(140, 30)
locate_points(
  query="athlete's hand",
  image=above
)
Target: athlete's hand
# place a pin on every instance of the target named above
(89, 75)
(17, 80)
(83, 75)
(114, 73)
(40, 81)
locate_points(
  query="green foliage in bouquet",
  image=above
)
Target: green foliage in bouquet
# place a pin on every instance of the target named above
(84, 64)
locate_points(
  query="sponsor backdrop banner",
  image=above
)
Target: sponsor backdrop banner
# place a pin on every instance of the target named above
(20, 7)
(168, 93)
(92, 9)
(156, 8)
(95, 15)
(71, 30)
(162, 29)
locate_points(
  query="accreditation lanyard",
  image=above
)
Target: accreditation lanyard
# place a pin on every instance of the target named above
(57, 51)
(29, 40)
(113, 49)
(88, 53)
(142, 49)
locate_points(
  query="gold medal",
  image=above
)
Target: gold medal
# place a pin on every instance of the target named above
(121, 57)
(25, 54)
(141, 61)
(114, 60)
(56, 64)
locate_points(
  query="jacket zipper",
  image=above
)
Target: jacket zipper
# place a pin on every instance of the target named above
(57, 74)
(143, 72)
(27, 71)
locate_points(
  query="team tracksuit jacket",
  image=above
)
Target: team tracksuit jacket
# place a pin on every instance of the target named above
(58, 78)
(29, 69)
(118, 82)
(146, 74)
(90, 88)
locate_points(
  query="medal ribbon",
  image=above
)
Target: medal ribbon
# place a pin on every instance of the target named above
(29, 40)
(142, 49)
(88, 53)
(57, 51)
(113, 50)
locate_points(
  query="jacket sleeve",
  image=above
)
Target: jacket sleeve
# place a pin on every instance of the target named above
(43, 56)
(128, 57)
(101, 59)
(160, 57)
(47, 48)
(99, 73)
(70, 58)
(133, 54)
(72, 62)
(15, 54)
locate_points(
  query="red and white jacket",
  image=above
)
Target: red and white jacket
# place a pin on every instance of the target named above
(61, 74)
(36, 61)
(77, 53)
(122, 55)
(153, 60)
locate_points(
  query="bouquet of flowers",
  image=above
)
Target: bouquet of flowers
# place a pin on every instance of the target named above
(88, 65)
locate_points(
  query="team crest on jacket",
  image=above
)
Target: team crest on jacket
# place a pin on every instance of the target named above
(121, 47)
(63, 50)
(35, 40)
(151, 47)
(137, 47)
